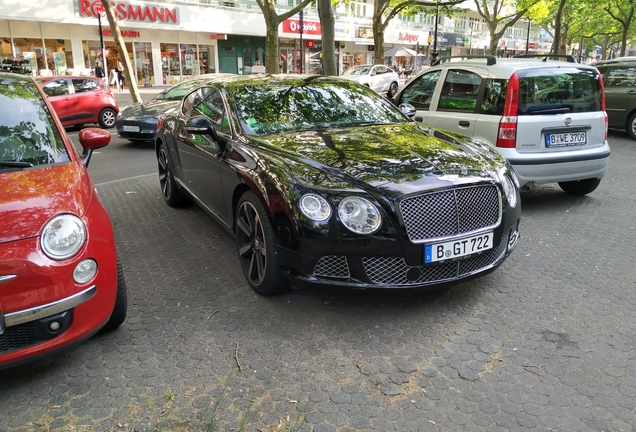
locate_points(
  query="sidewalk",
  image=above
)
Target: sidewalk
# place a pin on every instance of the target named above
(124, 98)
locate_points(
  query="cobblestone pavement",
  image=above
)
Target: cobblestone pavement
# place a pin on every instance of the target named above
(545, 343)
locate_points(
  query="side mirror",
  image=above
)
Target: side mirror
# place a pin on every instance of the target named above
(201, 125)
(92, 139)
(408, 110)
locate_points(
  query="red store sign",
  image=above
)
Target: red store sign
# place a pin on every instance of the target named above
(124, 33)
(131, 12)
(309, 27)
(408, 37)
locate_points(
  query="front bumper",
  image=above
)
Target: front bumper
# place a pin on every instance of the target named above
(390, 268)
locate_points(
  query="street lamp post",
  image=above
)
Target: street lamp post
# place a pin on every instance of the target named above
(434, 53)
(528, 36)
(101, 44)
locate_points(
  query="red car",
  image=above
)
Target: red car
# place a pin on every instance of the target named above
(60, 278)
(78, 100)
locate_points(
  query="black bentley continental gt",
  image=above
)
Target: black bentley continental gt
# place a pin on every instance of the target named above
(323, 182)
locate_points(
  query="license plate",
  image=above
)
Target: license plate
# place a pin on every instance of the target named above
(566, 139)
(126, 128)
(457, 248)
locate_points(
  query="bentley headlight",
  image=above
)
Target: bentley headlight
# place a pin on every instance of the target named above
(63, 236)
(509, 189)
(359, 215)
(315, 207)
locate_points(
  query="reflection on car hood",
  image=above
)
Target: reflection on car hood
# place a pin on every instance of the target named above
(356, 78)
(402, 158)
(29, 198)
(150, 109)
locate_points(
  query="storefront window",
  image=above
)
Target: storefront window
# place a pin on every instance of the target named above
(170, 66)
(92, 53)
(59, 55)
(5, 47)
(189, 61)
(143, 64)
(32, 50)
(206, 59)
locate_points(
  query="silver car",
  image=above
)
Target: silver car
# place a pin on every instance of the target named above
(546, 117)
(378, 78)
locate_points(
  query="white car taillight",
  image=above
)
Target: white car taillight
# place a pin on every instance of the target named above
(507, 134)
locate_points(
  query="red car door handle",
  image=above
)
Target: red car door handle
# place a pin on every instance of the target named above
(66, 99)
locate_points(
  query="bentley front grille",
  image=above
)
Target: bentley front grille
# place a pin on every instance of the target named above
(451, 212)
(394, 271)
(334, 266)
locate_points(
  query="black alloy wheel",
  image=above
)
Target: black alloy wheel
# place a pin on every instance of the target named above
(631, 126)
(256, 243)
(393, 89)
(169, 190)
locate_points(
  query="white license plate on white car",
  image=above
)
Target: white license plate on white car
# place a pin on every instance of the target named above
(566, 139)
(126, 128)
(457, 248)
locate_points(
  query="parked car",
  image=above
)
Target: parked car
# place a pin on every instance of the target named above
(324, 182)
(546, 117)
(379, 78)
(60, 279)
(138, 122)
(78, 100)
(619, 78)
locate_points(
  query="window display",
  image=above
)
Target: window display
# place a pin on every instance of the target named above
(143, 64)
(59, 55)
(170, 65)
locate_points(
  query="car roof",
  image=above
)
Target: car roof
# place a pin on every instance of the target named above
(66, 76)
(619, 60)
(223, 80)
(506, 66)
(10, 75)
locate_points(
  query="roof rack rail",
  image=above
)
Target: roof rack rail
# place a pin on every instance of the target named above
(490, 59)
(568, 58)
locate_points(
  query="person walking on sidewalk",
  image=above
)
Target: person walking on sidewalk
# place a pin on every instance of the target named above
(99, 71)
(119, 71)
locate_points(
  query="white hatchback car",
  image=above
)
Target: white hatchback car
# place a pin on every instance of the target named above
(379, 78)
(547, 117)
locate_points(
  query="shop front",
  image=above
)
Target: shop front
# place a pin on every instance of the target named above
(294, 56)
(237, 54)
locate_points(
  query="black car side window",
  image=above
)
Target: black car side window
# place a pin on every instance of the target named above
(621, 77)
(58, 87)
(420, 92)
(211, 105)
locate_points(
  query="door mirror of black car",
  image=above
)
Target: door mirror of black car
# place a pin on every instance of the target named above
(408, 110)
(201, 125)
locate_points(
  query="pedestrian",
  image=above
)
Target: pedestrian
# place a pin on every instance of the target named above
(99, 70)
(119, 71)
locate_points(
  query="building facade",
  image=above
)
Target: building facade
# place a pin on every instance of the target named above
(171, 41)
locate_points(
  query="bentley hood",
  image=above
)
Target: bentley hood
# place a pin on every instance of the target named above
(403, 158)
(29, 198)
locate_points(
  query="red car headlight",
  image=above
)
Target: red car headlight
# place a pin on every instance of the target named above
(63, 236)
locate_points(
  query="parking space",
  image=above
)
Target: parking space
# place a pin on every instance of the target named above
(547, 342)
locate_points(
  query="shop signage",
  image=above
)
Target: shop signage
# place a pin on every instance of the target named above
(222, 37)
(131, 12)
(310, 44)
(408, 37)
(124, 33)
(309, 27)
(532, 45)
(343, 30)
(364, 32)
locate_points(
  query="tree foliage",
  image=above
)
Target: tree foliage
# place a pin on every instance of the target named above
(500, 15)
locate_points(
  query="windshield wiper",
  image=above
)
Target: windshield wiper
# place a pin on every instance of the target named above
(549, 110)
(15, 164)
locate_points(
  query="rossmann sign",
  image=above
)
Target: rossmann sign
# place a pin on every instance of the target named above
(131, 12)
(309, 27)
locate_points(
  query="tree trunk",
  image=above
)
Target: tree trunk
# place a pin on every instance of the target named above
(325, 11)
(494, 40)
(121, 45)
(272, 56)
(378, 37)
(556, 45)
(628, 21)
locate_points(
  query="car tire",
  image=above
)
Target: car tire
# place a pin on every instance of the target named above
(393, 89)
(581, 187)
(171, 193)
(118, 316)
(107, 118)
(631, 126)
(257, 247)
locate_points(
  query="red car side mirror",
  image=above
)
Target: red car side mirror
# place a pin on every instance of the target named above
(92, 139)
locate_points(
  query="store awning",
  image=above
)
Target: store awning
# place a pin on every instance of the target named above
(400, 52)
